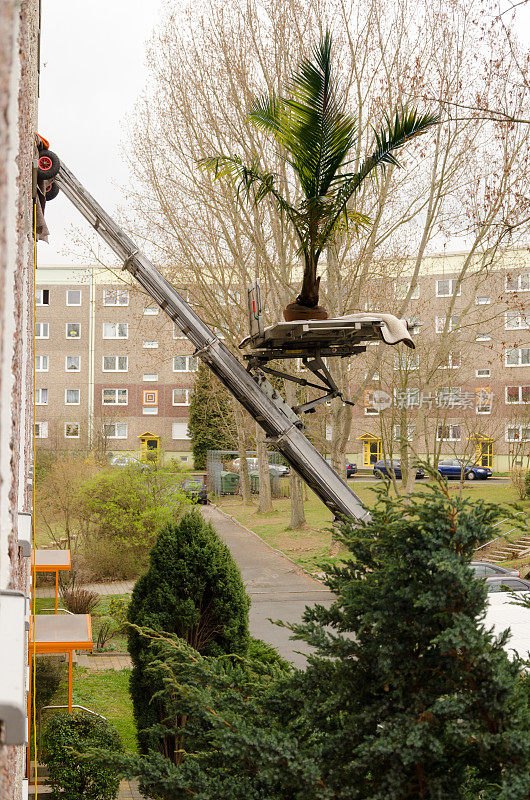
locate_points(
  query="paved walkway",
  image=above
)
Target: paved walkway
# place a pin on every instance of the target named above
(278, 588)
(129, 791)
(116, 587)
(100, 661)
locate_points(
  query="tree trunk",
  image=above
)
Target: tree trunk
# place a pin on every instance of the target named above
(310, 285)
(265, 497)
(239, 416)
(298, 519)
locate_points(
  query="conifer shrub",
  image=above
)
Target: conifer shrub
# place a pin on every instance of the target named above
(211, 424)
(409, 696)
(192, 588)
(67, 738)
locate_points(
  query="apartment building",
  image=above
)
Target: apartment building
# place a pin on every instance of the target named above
(112, 370)
(465, 390)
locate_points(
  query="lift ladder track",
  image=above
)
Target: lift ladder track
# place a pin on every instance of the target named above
(254, 392)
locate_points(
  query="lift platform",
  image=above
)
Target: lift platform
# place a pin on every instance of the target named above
(312, 341)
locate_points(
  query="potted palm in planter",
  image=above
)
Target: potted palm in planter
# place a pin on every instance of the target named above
(316, 135)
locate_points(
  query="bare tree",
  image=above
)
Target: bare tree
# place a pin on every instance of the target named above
(467, 184)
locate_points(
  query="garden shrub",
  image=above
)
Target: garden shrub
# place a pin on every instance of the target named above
(48, 674)
(527, 483)
(126, 509)
(66, 738)
(118, 608)
(192, 588)
(79, 601)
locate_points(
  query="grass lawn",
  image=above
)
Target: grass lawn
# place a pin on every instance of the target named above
(106, 692)
(311, 546)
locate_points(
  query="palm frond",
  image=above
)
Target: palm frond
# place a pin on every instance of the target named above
(406, 125)
(252, 184)
(310, 124)
(264, 113)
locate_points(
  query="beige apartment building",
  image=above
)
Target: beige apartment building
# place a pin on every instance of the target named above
(465, 390)
(112, 370)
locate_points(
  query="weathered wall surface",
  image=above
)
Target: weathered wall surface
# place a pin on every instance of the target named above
(19, 43)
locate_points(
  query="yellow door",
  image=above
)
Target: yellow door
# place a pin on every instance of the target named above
(149, 447)
(484, 456)
(372, 452)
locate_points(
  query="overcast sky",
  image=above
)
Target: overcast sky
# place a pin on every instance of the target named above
(92, 71)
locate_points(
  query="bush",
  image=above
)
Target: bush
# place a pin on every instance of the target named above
(79, 601)
(527, 483)
(127, 508)
(108, 628)
(48, 675)
(259, 650)
(193, 589)
(65, 740)
(118, 609)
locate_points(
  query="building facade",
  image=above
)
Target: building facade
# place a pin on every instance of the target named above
(465, 390)
(19, 44)
(110, 366)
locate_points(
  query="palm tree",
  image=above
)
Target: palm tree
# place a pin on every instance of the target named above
(316, 135)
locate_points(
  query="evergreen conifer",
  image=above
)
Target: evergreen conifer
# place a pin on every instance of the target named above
(193, 589)
(210, 417)
(408, 697)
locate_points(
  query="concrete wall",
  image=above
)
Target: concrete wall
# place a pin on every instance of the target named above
(19, 41)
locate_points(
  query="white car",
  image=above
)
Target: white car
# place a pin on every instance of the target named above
(275, 470)
(502, 613)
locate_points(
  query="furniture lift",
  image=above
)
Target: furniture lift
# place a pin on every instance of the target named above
(249, 386)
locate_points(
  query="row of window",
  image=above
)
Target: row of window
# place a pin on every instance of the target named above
(451, 287)
(117, 364)
(179, 430)
(512, 433)
(111, 297)
(111, 430)
(116, 397)
(453, 433)
(111, 330)
(445, 287)
(513, 321)
(448, 397)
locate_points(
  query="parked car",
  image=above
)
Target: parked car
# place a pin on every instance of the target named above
(453, 468)
(507, 584)
(275, 470)
(385, 468)
(483, 569)
(126, 461)
(351, 468)
(195, 490)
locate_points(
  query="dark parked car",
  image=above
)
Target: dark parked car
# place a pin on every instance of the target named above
(351, 469)
(483, 569)
(385, 468)
(507, 584)
(195, 490)
(452, 468)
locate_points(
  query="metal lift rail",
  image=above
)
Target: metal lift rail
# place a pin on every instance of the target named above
(254, 392)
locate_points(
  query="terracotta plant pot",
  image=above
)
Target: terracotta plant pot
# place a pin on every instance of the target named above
(294, 311)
